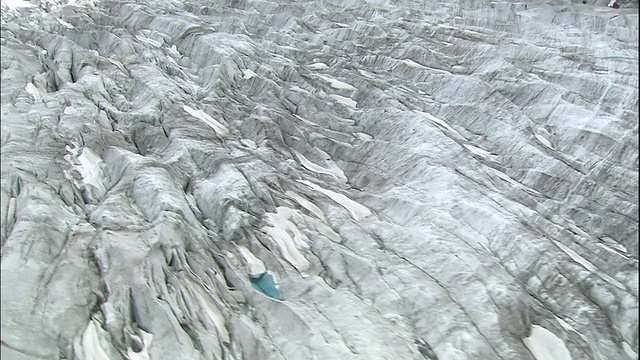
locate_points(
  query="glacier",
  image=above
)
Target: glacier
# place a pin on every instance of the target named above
(339, 179)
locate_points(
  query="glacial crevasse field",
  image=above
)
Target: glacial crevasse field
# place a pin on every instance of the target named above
(341, 179)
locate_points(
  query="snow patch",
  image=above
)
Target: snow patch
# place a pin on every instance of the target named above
(544, 141)
(448, 27)
(477, 151)
(505, 177)
(214, 315)
(301, 90)
(254, 265)
(588, 265)
(280, 231)
(367, 74)
(143, 354)
(337, 84)
(333, 169)
(357, 211)
(14, 4)
(248, 74)
(579, 231)
(91, 346)
(324, 230)
(545, 345)
(308, 205)
(629, 350)
(443, 124)
(148, 41)
(362, 136)
(33, 91)
(576, 257)
(220, 129)
(70, 110)
(249, 143)
(413, 64)
(89, 168)
(615, 245)
(318, 66)
(623, 255)
(119, 65)
(304, 120)
(88, 164)
(66, 24)
(565, 325)
(345, 101)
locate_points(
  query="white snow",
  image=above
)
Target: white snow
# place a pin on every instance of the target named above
(627, 349)
(147, 338)
(70, 110)
(477, 151)
(249, 143)
(148, 41)
(459, 29)
(248, 74)
(413, 64)
(11, 209)
(308, 205)
(91, 346)
(254, 265)
(611, 280)
(579, 231)
(88, 167)
(214, 315)
(505, 177)
(280, 231)
(544, 141)
(345, 101)
(362, 136)
(357, 211)
(337, 84)
(299, 89)
(588, 265)
(545, 345)
(66, 24)
(173, 51)
(367, 74)
(324, 230)
(14, 4)
(220, 129)
(614, 244)
(343, 25)
(442, 123)
(576, 257)
(621, 254)
(565, 325)
(305, 120)
(318, 66)
(31, 89)
(119, 65)
(333, 169)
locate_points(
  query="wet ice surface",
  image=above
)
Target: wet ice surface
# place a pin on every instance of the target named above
(323, 179)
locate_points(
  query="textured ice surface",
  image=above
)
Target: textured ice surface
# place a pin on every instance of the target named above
(344, 179)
